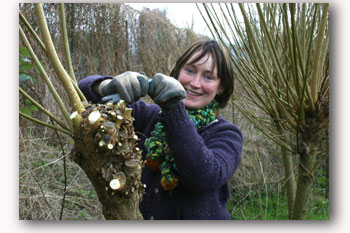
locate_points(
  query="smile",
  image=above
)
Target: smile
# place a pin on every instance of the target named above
(193, 93)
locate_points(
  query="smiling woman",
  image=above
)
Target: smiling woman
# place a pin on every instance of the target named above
(200, 82)
(191, 151)
(205, 73)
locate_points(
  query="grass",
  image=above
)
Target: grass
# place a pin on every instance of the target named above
(257, 205)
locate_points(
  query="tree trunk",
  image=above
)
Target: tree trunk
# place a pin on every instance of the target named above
(289, 175)
(105, 148)
(289, 180)
(305, 181)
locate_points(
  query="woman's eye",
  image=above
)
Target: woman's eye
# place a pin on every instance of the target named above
(189, 71)
(209, 77)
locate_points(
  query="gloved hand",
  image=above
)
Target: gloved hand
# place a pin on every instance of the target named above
(166, 91)
(130, 86)
(114, 98)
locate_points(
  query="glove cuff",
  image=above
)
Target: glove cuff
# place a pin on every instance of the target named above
(102, 85)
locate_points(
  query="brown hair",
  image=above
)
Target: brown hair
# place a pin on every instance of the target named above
(221, 61)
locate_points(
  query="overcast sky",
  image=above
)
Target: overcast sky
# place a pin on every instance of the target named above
(180, 14)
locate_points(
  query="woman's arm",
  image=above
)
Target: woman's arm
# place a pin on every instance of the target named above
(88, 86)
(204, 163)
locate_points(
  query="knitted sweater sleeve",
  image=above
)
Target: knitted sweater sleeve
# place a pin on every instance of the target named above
(204, 161)
(86, 86)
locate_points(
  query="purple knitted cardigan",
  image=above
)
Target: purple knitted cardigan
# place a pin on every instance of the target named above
(205, 159)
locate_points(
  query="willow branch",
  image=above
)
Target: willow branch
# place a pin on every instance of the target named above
(267, 131)
(57, 65)
(67, 52)
(267, 74)
(80, 93)
(31, 30)
(65, 42)
(42, 109)
(45, 124)
(46, 78)
(314, 83)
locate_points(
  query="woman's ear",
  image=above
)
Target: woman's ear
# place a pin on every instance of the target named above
(220, 90)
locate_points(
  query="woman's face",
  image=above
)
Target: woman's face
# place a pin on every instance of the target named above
(200, 81)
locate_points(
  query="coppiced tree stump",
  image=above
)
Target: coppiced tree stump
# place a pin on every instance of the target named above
(105, 148)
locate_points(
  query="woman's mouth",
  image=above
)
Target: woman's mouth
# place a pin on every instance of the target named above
(192, 93)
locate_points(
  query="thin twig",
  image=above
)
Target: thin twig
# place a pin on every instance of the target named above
(45, 124)
(64, 174)
(42, 109)
(31, 30)
(39, 185)
(45, 77)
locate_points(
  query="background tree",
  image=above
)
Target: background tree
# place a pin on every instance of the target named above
(281, 57)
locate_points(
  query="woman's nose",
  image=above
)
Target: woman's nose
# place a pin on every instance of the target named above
(196, 81)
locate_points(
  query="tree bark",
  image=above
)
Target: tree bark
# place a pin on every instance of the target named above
(305, 181)
(289, 180)
(105, 148)
(289, 175)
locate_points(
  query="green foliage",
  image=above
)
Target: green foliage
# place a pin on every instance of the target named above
(25, 65)
(27, 70)
(322, 182)
(28, 108)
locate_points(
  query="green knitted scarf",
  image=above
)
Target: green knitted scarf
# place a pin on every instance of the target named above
(158, 155)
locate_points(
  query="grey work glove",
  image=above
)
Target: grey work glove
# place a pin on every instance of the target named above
(130, 86)
(114, 98)
(166, 91)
